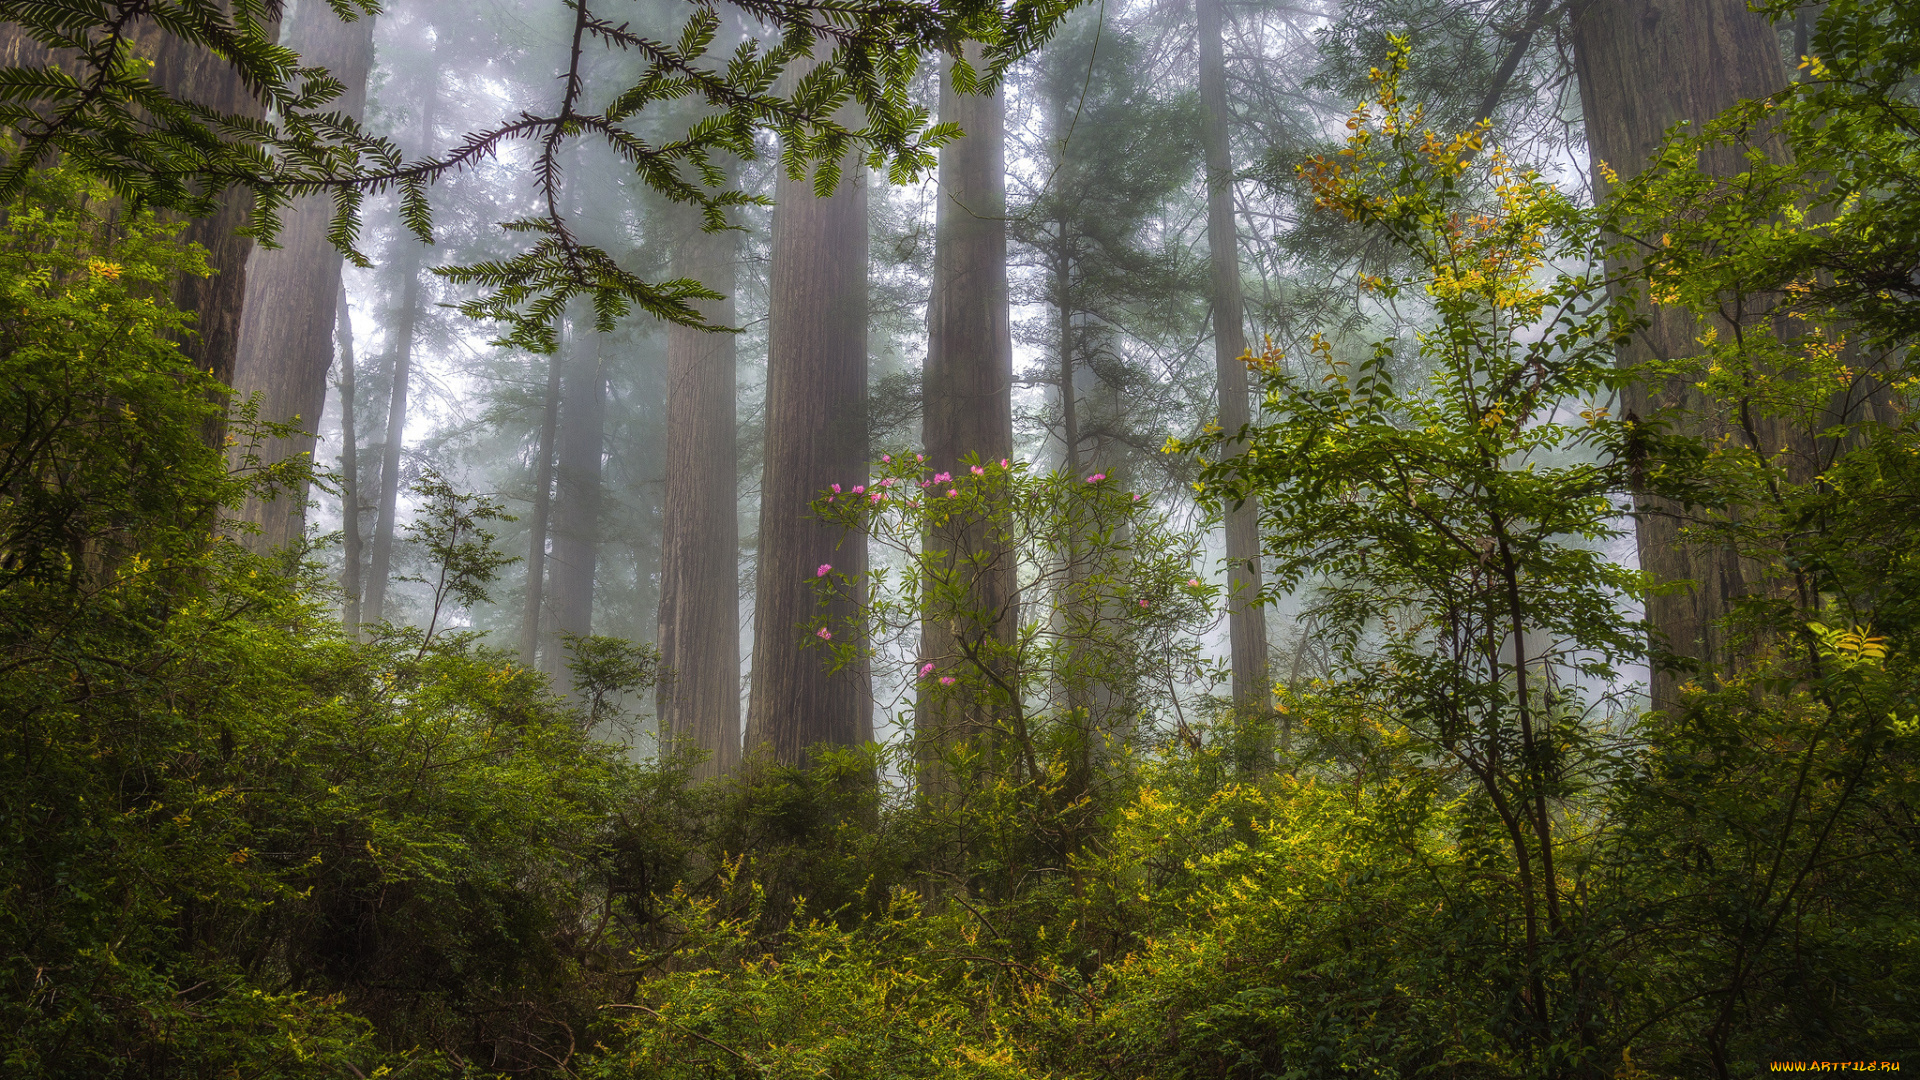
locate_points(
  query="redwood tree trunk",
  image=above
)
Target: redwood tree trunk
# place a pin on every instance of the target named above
(699, 701)
(816, 436)
(196, 75)
(286, 328)
(1247, 620)
(576, 529)
(1645, 65)
(968, 387)
(193, 73)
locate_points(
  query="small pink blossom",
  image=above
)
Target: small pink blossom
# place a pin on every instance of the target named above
(925, 483)
(825, 569)
(926, 669)
(919, 457)
(941, 477)
(1143, 603)
(823, 634)
(951, 493)
(888, 482)
(1136, 497)
(1193, 583)
(887, 458)
(876, 496)
(836, 489)
(978, 471)
(1003, 463)
(859, 489)
(946, 680)
(1096, 478)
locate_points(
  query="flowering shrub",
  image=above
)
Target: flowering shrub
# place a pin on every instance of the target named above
(1056, 610)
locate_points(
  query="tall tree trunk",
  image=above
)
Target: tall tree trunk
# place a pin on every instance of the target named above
(699, 700)
(349, 467)
(194, 74)
(816, 436)
(968, 393)
(1643, 66)
(576, 519)
(286, 328)
(1246, 618)
(530, 618)
(400, 348)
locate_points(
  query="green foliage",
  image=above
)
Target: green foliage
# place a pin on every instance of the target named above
(451, 530)
(229, 837)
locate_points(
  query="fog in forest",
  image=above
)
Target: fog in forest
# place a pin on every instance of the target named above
(1103, 147)
(953, 539)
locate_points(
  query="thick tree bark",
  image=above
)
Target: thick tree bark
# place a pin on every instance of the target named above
(286, 328)
(193, 74)
(968, 392)
(1246, 618)
(349, 467)
(400, 349)
(535, 606)
(699, 700)
(576, 518)
(1645, 65)
(816, 436)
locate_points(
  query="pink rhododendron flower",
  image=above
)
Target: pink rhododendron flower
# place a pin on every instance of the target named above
(926, 669)
(1096, 478)
(919, 457)
(859, 489)
(946, 680)
(1003, 463)
(876, 496)
(887, 458)
(825, 569)
(941, 477)
(836, 489)
(925, 483)
(1136, 498)
(1143, 603)
(951, 493)
(823, 634)
(978, 471)
(1193, 583)
(888, 482)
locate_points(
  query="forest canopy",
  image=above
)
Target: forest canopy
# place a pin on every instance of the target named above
(1371, 537)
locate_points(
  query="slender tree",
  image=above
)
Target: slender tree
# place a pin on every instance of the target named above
(285, 343)
(401, 328)
(968, 383)
(404, 321)
(699, 699)
(535, 606)
(1247, 620)
(579, 447)
(816, 436)
(1644, 66)
(353, 555)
